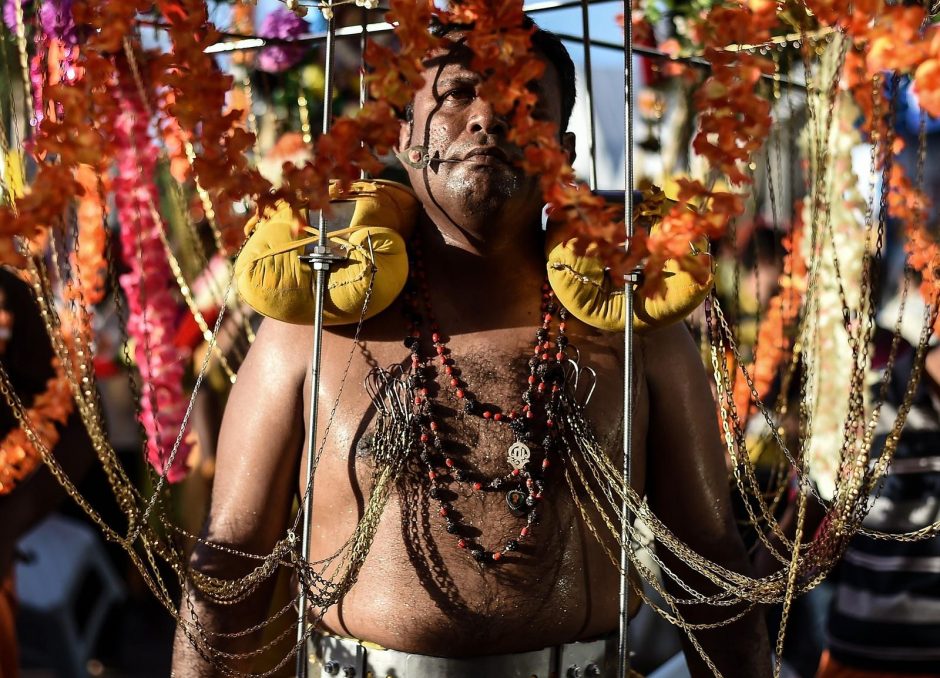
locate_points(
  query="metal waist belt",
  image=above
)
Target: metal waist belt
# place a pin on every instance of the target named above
(347, 658)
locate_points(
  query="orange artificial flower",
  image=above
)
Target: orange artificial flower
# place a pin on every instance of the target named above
(18, 456)
(927, 86)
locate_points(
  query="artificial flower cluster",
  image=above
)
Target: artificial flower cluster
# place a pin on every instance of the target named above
(148, 287)
(890, 40)
(734, 120)
(284, 25)
(19, 457)
(88, 260)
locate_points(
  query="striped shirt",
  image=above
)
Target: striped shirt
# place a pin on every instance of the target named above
(885, 613)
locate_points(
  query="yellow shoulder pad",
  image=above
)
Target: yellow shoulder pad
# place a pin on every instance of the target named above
(374, 217)
(583, 285)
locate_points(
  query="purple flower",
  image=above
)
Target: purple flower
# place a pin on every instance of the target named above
(9, 13)
(281, 23)
(55, 17)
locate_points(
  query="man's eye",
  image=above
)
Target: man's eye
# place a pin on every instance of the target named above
(459, 94)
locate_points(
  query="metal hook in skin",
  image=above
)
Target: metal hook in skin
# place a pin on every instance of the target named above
(419, 157)
(398, 395)
(572, 374)
(577, 352)
(373, 388)
(592, 388)
(388, 391)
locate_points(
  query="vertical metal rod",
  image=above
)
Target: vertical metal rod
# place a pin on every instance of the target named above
(623, 648)
(589, 84)
(329, 53)
(322, 266)
(321, 278)
(363, 86)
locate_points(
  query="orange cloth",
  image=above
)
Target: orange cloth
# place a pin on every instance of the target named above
(830, 668)
(9, 660)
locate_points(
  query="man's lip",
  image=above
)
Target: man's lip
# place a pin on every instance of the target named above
(487, 151)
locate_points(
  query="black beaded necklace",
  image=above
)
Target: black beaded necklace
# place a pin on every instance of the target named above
(534, 424)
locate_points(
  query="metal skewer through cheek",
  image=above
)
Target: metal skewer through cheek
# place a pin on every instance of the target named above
(321, 258)
(418, 157)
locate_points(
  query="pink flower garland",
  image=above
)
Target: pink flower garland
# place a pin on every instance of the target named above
(153, 309)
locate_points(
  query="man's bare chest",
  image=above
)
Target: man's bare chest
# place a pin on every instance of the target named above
(490, 368)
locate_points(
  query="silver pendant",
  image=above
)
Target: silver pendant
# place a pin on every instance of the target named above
(519, 455)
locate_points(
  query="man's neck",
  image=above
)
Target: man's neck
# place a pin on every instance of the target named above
(499, 280)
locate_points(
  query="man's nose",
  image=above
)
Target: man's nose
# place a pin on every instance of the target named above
(484, 119)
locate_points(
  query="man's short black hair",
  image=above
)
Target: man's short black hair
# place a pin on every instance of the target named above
(546, 43)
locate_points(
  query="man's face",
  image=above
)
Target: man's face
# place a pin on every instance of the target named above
(454, 123)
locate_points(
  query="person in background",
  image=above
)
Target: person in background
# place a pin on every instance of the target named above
(884, 619)
(26, 355)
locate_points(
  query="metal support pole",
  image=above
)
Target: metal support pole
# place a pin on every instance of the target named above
(321, 259)
(630, 281)
(589, 84)
(363, 85)
(238, 43)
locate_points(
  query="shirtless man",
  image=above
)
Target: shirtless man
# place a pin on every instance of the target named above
(417, 592)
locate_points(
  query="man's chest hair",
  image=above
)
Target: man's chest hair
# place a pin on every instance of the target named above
(496, 373)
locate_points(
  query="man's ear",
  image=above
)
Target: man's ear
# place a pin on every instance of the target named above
(568, 146)
(404, 135)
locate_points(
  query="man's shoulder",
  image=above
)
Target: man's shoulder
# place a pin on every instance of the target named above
(289, 346)
(665, 352)
(671, 356)
(282, 347)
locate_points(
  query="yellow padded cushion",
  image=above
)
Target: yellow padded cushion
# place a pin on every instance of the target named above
(584, 286)
(273, 280)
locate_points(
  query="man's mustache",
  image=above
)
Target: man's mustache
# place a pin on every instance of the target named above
(419, 156)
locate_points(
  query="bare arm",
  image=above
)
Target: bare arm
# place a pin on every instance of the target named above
(687, 485)
(256, 473)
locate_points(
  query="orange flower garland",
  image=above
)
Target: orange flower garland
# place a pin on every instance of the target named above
(734, 120)
(81, 131)
(88, 260)
(18, 456)
(924, 256)
(909, 206)
(197, 102)
(893, 38)
(774, 339)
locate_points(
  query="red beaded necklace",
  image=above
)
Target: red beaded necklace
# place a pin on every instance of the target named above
(525, 483)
